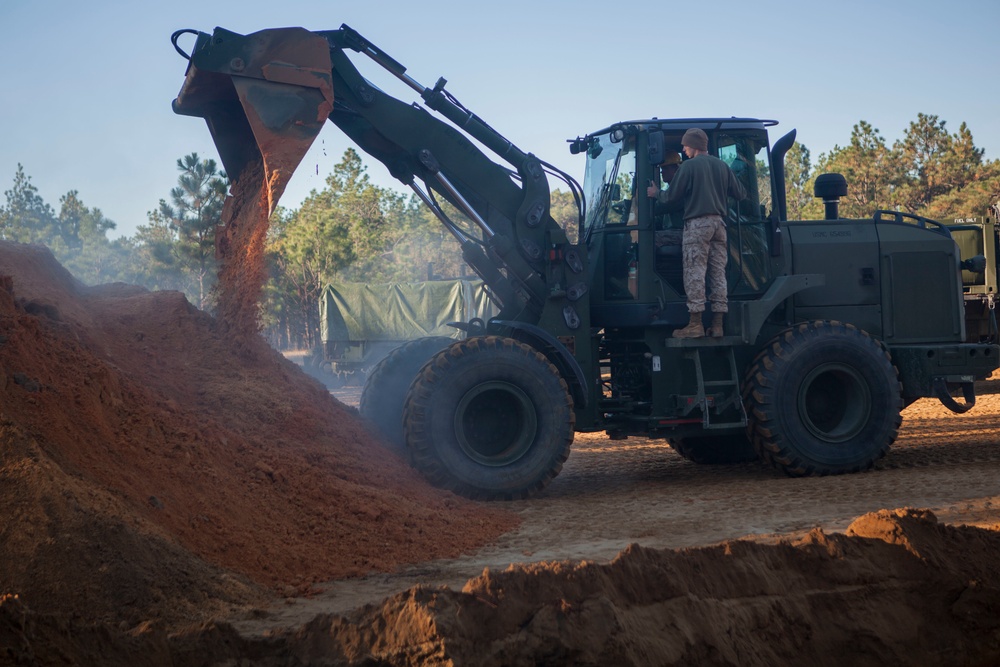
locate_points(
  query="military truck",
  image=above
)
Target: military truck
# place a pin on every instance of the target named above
(978, 239)
(361, 323)
(834, 325)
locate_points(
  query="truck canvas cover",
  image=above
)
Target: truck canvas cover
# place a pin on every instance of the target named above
(399, 311)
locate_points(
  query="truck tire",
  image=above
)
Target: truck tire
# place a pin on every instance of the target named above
(384, 392)
(489, 418)
(715, 449)
(824, 399)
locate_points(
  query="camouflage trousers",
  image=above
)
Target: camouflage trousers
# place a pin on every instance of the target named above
(705, 251)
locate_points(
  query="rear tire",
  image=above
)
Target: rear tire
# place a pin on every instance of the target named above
(489, 418)
(824, 399)
(384, 393)
(715, 450)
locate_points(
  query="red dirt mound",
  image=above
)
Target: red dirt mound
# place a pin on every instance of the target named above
(139, 445)
(898, 589)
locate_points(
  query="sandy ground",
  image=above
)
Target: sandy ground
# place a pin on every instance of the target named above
(611, 494)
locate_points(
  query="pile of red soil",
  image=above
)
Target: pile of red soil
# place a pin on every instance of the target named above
(898, 589)
(151, 469)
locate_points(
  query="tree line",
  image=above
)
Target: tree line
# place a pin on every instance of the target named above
(929, 172)
(353, 230)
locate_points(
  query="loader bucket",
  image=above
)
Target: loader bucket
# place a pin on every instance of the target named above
(265, 97)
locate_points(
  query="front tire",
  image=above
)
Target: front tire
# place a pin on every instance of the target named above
(489, 418)
(824, 399)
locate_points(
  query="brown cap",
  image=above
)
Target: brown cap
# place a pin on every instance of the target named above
(671, 158)
(696, 139)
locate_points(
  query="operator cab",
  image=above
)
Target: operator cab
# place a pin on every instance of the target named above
(636, 243)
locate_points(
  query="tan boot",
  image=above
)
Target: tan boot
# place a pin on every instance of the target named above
(694, 329)
(715, 329)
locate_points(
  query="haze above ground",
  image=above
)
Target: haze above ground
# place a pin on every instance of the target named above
(88, 86)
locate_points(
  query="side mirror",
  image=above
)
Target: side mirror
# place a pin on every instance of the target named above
(654, 147)
(577, 146)
(590, 144)
(975, 264)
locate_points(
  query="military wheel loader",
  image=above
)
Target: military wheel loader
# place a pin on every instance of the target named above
(834, 325)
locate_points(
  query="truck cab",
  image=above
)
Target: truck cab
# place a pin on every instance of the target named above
(635, 246)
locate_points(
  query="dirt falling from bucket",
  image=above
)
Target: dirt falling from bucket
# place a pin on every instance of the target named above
(240, 250)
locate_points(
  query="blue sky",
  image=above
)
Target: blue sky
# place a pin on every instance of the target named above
(87, 85)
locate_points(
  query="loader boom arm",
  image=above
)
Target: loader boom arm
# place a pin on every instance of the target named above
(266, 94)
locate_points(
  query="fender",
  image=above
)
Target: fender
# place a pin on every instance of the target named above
(754, 313)
(554, 351)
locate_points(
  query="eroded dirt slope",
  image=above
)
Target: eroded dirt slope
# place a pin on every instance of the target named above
(149, 469)
(897, 588)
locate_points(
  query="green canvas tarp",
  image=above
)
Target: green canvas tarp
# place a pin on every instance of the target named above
(356, 312)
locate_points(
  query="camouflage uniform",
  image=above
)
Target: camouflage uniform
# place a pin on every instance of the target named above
(705, 251)
(703, 185)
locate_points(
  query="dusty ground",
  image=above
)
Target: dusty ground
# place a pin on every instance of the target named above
(614, 493)
(172, 496)
(762, 569)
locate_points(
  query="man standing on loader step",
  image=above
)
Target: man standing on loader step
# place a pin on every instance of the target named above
(703, 182)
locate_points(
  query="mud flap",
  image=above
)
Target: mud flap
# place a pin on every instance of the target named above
(943, 395)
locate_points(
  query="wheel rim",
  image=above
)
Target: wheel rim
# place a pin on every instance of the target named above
(495, 423)
(834, 402)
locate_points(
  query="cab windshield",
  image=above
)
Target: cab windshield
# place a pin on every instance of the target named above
(609, 182)
(618, 205)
